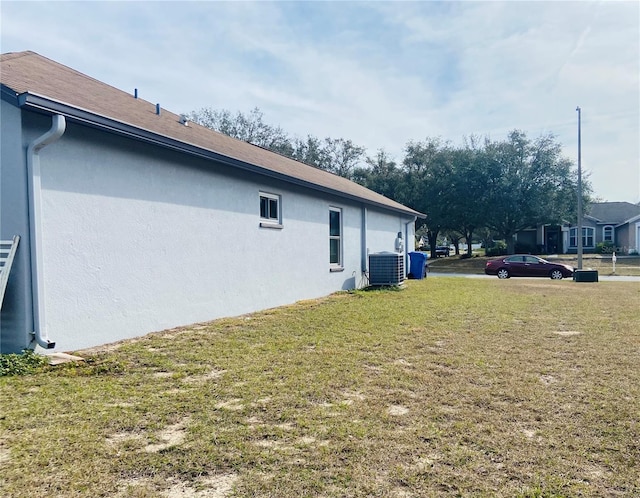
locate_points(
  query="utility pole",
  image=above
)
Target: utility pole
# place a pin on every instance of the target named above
(579, 191)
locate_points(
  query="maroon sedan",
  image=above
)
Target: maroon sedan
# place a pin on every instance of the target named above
(525, 265)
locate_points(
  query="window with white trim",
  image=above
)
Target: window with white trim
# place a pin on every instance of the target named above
(607, 234)
(335, 237)
(587, 237)
(270, 210)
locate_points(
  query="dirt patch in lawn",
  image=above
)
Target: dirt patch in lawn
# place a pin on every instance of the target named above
(172, 435)
(218, 486)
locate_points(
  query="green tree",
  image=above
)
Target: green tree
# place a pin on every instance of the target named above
(527, 183)
(310, 151)
(381, 175)
(467, 210)
(342, 156)
(427, 187)
(247, 127)
(337, 155)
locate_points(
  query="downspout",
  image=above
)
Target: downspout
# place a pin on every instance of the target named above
(363, 241)
(58, 126)
(363, 247)
(406, 245)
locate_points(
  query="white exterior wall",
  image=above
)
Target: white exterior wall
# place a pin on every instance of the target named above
(138, 239)
(382, 227)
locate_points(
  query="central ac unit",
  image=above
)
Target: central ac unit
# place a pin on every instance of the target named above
(386, 268)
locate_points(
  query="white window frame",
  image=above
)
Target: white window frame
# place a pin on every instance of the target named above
(608, 230)
(271, 220)
(587, 232)
(336, 265)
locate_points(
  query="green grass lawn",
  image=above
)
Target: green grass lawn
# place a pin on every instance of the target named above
(449, 387)
(625, 266)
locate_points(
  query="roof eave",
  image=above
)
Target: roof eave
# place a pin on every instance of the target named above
(40, 103)
(8, 95)
(630, 220)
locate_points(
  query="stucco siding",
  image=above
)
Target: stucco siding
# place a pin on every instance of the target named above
(382, 229)
(139, 239)
(624, 239)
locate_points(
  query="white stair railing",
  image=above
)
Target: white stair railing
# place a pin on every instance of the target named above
(8, 250)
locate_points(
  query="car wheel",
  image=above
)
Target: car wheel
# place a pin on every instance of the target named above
(556, 275)
(503, 273)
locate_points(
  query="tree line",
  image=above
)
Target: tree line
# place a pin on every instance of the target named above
(484, 188)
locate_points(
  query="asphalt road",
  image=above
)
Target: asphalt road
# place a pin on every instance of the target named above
(601, 278)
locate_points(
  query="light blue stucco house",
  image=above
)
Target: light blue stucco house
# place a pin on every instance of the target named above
(132, 220)
(615, 224)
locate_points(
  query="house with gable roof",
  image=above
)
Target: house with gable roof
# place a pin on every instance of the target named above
(132, 219)
(614, 223)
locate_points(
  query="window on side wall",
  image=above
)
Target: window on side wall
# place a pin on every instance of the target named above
(270, 210)
(607, 234)
(335, 238)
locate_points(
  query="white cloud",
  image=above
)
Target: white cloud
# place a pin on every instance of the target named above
(378, 73)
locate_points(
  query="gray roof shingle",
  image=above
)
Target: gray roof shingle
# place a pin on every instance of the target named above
(613, 212)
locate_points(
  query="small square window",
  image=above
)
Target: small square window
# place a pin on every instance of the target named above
(270, 212)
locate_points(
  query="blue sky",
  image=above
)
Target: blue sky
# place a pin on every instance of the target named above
(378, 73)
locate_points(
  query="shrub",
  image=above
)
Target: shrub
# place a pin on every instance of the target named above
(499, 249)
(21, 364)
(93, 365)
(604, 247)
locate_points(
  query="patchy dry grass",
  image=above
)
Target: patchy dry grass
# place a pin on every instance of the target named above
(451, 387)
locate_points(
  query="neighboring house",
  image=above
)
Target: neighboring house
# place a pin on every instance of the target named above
(133, 220)
(615, 223)
(544, 239)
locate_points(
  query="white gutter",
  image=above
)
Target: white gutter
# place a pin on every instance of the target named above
(58, 126)
(39, 103)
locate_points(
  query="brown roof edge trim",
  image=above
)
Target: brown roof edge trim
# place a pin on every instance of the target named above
(43, 104)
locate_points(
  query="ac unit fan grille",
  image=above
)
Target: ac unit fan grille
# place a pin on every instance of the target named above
(386, 269)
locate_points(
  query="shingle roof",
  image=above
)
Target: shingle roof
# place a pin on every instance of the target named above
(613, 212)
(28, 73)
